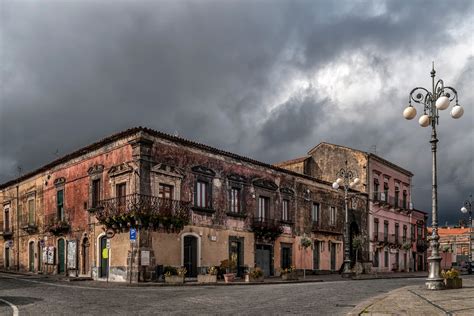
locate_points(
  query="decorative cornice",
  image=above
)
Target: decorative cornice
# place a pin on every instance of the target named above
(265, 184)
(120, 169)
(95, 169)
(287, 191)
(59, 181)
(204, 171)
(168, 170)
(237, 178)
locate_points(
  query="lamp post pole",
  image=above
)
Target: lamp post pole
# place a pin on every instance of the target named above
(347, 179)
(468, 209)
(432, 102)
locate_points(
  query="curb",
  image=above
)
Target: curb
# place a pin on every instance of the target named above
(361, 307)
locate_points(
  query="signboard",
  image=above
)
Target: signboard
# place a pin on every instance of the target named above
(133, 234)
(145, 259)
(110, 233)
(105, 253)
(42, 243)
(50, 256)
(45, 255)
(72, 254)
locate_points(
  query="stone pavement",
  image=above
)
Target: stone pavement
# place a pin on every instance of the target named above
(416, 300)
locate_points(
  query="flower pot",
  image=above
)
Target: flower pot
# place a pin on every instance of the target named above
(455, 283)
(174, 279)
(229, 277)
(289, 276)
(207, 278)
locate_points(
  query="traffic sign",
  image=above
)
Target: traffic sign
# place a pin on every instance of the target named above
(133, 234)
(110, 233)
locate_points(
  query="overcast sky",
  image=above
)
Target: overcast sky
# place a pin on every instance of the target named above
(265, 79)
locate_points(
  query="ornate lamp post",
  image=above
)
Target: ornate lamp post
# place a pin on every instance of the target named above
(347, 179)
(432, 102)
(467, 208)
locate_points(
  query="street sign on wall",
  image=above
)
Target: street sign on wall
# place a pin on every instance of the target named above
(72, 254)
(110, 233)
(133, 234)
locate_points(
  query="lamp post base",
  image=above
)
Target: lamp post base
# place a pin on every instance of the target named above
(435, 284)
(347, 273)
(434, 280)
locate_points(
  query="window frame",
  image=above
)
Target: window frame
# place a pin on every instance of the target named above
(285, 210)
(266, 207)
(60, 206)
(318, 212)
(332, 215)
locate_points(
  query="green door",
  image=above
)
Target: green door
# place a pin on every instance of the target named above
(61, 256)
(31, 252)
(104, 257)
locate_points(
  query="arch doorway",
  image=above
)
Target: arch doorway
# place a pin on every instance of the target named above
(85, 256)
(31, 256)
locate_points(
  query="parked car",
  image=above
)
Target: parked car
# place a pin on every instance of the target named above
(467, 267)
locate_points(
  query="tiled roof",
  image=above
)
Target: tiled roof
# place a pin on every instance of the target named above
(451, 231)
(135, 130)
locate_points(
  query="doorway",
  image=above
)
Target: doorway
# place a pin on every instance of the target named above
(40, 257)
(333, 256)
(85, 256)
(236, 252)
(61, 256)
(31, 256)
(286, 255)
(104, 257)
(263, 258)
(316, 255)
(7, 258)
(190, 255)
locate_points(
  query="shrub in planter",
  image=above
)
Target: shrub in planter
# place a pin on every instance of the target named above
(210, 277)
(256, 275)
(289, 273)
(452, 279)
(228, 266)
(174, 275)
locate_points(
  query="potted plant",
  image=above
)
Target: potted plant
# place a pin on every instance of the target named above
(174, 275)
(256, 275)
(452, 279)
(229, 265)
(289, 273)
(210, 277)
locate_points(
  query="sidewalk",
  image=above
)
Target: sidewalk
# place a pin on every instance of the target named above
(416, 300)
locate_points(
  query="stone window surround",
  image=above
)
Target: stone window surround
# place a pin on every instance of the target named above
(31, 196)
(95, 173)
(7, 207)
(121, 176)
(232, 184)
(169, 175)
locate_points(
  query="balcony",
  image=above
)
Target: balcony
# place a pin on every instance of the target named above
(266, 229)
(422, 245)
(143, 211)
(56, 224)
(28, 223)
(6, 230)
(386, 239)
(380, 198)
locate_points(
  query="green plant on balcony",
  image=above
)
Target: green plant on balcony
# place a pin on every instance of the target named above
(266, 231)
(406, 245)
(59, 228)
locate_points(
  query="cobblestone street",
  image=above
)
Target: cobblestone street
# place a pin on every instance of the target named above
(35, 295)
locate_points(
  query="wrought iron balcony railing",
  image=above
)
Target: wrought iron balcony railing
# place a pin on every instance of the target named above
(266, 229)
(28, 223)
(57, 224)
(138, 210)
(6, 229)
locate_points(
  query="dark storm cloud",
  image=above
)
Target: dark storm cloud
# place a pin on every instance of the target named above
(226, 74)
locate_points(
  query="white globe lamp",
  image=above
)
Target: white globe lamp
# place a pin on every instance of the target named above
(457, 111)
(442, 103)
(424, 120)
(409, 113)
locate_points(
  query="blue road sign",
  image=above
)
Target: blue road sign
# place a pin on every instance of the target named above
(133, 234)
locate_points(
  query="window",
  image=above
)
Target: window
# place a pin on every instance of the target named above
(397, 232)
(419, 232)
(404, 236)
(376, 229)
(376, 189)
(203, 194)
(95, 190)
(315, 213)
(397, 196)
(385, 192)
(121, 192)
(412, 232)
(376, 259)
(284, 210)
(6, 219)
(385, 231)
(60, 204)
(332, 216)
(235, 200)
(404, 201)
(263, 205)
(31, 211)
(385, 264)
(165, 191)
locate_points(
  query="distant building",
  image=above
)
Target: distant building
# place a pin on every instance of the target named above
(396, 232)
(453, 245)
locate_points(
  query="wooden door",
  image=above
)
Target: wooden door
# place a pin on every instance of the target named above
(31, 256)
(333, 256)
(190, 255)
(104, 257)
(61, 256)
(316, 255)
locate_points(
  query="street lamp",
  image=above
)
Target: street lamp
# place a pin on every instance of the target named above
(467, 208)
(347, 179)
(433, 102)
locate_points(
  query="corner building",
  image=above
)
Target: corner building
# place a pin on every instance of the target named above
(192, 205)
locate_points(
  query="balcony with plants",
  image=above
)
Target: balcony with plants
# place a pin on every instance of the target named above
(266, 229)
(6, 230)
(143, 211)
(58, 224)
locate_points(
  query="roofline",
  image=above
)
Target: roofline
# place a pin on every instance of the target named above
(291, 161)
(369, 155)
(135, 130)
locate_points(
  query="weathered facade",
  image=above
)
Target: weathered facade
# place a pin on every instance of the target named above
(192, 205)
(391, 224)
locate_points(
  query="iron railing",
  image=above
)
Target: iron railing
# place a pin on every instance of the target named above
(265, 228)
(143, 210)
(6, 229)
(28, 222)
